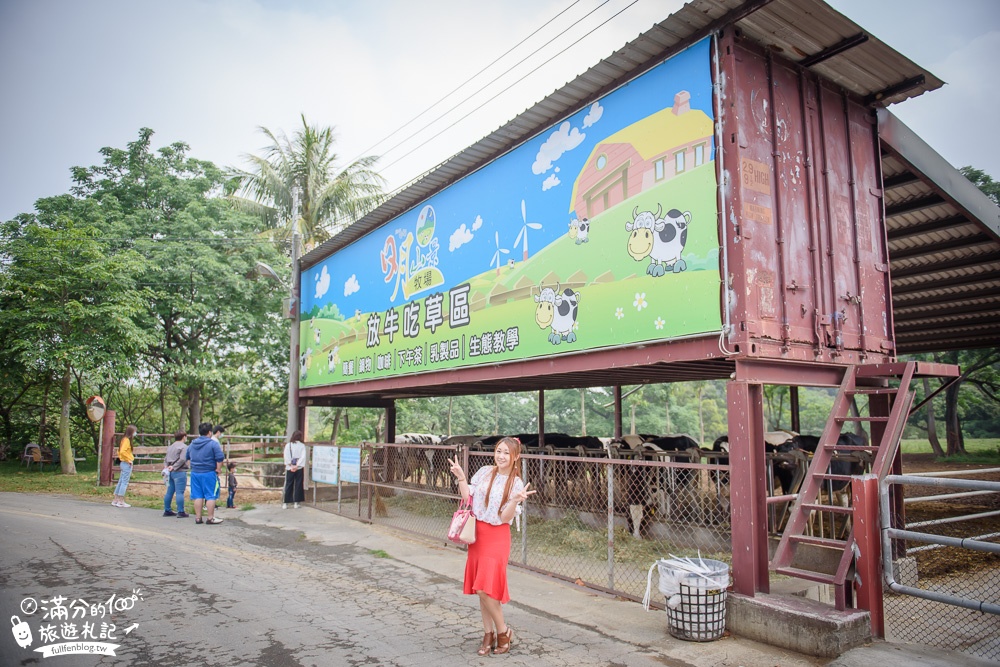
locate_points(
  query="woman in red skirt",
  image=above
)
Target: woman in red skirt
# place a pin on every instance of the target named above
(497, 492)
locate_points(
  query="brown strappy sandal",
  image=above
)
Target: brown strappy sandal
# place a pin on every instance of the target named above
(504, 640)
(487, 646)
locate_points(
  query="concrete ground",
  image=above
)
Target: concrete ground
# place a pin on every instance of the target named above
(620, 620)
(291, 588)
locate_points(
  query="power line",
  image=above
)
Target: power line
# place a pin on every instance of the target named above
(461, 85)
(456, 122)
(504, 73)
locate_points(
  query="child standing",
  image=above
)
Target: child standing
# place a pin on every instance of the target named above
(231, 483)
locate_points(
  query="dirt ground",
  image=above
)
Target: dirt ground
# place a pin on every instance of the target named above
(948, 561)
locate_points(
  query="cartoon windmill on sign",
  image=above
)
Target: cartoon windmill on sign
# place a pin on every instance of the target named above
(524, 230)
(496, 255)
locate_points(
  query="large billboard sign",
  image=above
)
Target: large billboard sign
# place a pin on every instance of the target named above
(599, 232)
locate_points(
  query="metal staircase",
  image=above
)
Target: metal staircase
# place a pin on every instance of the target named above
(888, 410)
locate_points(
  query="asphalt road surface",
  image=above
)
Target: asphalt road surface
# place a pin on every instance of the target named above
(242, 594)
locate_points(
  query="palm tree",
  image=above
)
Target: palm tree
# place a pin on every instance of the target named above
(296, 185)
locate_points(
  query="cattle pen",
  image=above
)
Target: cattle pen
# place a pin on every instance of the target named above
(728, 198)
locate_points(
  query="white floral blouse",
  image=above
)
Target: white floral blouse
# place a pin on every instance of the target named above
(490, 513)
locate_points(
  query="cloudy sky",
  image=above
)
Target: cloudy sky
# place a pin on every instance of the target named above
(77, 76)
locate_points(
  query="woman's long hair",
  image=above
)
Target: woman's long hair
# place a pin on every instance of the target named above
(514, 447)
(130, 432)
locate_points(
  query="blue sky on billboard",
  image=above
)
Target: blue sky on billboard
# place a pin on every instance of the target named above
(80, 76)
(479, 222)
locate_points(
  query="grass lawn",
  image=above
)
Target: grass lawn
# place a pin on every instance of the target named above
(979, 450)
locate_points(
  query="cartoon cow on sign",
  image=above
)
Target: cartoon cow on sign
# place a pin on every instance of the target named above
(332, 359)
(557, 311)
(583, 234)
(660, 239)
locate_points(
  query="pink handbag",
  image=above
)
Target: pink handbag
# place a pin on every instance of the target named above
(463, 524)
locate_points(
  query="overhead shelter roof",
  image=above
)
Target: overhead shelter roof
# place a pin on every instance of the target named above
(944, 247)
(814, 35)
(806, 31)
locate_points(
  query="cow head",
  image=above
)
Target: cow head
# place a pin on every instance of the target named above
(574, 228)
(545, 310)
(640, 243)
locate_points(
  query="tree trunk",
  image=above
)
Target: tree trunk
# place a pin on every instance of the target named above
(183, 403)
(45, 412)
(932, 435)
(583, 412)
(163, 408)
(65, 448)
(666, 409)
(450, 401)
(336, 425)
(194, 409)
(701, 417)
(378, 426)
(953, 423)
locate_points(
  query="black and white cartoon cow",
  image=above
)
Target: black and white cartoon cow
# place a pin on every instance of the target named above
(558, 311)
(660, 239)
(332, 359)
(579, 230)
(304, 359)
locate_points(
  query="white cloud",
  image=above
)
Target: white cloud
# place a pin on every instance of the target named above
(351, 286)
(562, 140)
(550, 182)
(594, 115)
(322, 283)
(478, 223)
(462, 235)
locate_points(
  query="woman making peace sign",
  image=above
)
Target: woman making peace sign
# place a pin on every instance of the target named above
(496, 492)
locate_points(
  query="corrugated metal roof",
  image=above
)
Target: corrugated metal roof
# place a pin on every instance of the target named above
(944, 235)
(944, 248)
(797, 29)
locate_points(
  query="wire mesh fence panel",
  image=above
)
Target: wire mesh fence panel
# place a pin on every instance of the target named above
(597, 521)
(969, 574)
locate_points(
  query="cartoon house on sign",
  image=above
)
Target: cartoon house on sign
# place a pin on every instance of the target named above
(642, 155)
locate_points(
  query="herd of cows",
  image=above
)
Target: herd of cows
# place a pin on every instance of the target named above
(654, 478)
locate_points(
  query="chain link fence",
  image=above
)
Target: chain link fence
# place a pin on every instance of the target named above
(946, 554)
(595, 521)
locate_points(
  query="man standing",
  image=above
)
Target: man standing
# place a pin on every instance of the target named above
(206, 459)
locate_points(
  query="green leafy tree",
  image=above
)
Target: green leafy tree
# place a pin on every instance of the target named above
(71, 298)
(984, 182)
(214, 329)
(296, 185)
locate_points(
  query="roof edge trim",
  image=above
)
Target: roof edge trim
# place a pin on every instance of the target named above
(923, 159)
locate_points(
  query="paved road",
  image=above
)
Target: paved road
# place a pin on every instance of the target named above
(282, 588)
(239, 594)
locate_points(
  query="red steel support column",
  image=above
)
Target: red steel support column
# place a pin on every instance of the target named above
(541, 417)
(748, 493)
(867, 534)
(618, 411)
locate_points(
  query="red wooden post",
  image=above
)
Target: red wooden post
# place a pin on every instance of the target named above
(748, 499)
(867, 534)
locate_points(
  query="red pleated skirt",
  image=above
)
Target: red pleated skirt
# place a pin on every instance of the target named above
(486, 565)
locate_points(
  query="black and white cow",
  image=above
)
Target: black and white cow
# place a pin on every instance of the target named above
(660, 239)
(558, 311)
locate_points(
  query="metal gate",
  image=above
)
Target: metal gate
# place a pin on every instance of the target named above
(942, 567)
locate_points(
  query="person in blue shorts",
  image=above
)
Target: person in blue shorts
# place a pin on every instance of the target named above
(206, 459)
